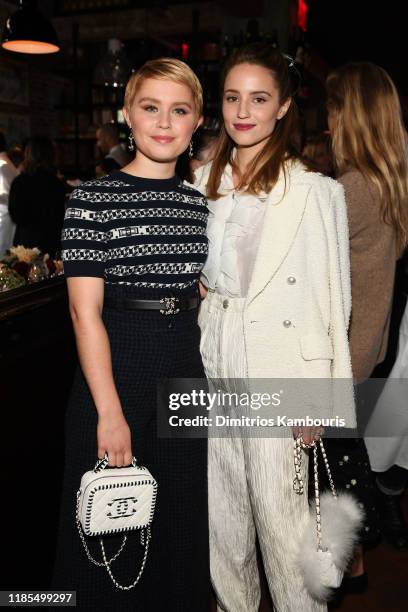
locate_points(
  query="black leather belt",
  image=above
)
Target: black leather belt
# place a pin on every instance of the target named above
(166, 306)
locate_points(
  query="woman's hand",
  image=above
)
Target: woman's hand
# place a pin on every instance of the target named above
(309, 434)
(114, 438)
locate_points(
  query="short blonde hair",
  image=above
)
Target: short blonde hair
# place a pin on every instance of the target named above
(165, 68)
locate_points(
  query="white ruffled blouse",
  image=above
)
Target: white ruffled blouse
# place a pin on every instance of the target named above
(233, 230)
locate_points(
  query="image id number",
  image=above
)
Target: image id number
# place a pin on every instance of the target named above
(37, 598)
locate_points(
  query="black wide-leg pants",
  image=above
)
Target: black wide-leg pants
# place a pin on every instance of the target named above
(146, 347)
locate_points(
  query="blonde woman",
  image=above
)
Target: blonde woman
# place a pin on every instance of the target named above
(370, 151)
(277, 306)
(131, 239)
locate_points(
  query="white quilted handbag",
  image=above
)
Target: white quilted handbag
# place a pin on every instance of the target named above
(116, 500)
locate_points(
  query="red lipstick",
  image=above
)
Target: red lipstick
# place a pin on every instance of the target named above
(243, 126)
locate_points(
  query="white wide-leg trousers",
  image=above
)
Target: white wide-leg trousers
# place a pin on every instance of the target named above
(250, 489)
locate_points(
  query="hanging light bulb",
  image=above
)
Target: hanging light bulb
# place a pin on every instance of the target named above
(28, 31)
(114, 68)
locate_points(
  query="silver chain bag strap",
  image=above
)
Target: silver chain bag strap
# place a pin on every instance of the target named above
(116, 500)
(322, 560)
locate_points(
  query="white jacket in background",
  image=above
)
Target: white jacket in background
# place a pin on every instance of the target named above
(7, 228)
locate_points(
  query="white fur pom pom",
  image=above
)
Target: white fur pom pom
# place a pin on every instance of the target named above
(341, 519)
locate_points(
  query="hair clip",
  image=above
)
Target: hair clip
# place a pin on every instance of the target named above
(294, 73)
(290, 60)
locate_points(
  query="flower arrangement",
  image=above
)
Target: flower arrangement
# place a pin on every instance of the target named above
(23, 266)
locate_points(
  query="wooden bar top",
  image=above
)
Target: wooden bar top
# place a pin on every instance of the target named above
(29, 297)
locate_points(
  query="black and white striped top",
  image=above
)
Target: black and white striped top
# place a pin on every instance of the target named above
(148, 233)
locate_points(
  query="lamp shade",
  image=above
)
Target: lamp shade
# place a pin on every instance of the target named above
(28, 31)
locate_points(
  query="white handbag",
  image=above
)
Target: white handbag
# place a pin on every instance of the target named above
(116, 500)
(322, 566)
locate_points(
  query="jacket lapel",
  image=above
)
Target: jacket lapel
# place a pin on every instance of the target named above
(283, 216)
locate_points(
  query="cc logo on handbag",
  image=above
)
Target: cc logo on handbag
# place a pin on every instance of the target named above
(121, 507)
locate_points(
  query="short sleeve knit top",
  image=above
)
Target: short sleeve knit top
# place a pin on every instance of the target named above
(147, 233)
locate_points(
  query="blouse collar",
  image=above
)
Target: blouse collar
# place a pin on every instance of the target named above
(227, 182)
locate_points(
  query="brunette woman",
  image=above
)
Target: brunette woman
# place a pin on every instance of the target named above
(278, 306)
(133, 247)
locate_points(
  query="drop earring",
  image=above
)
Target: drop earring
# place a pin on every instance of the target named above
(131, 141)
(190, 150)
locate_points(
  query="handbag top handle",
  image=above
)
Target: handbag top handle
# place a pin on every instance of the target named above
(101, 464)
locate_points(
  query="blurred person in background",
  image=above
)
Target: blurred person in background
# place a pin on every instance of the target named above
(8, 172)
(16, 156)
(107, 141)
(203, 148)
(37, 199)
(317, 152)
(105, 166)
(369, 146)
(389, 453)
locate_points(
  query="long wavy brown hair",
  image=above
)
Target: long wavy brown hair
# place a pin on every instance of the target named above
(368, 134)
(284, 142)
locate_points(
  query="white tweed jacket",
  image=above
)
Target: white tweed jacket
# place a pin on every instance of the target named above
(298, 305)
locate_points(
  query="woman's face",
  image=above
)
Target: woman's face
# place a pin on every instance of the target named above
(163, 118)
(251, 105)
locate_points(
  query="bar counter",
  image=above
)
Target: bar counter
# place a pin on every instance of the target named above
(37, 364)
(29, 297)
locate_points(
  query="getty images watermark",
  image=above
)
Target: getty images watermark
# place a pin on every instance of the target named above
(258, 407)
(212, 412)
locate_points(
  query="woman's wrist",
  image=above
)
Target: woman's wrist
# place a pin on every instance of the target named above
(110, 412)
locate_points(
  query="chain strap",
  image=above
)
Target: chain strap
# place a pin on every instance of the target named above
(82, 536)
(144, 540)
(326, 463)
(298, 484)
(134, 583)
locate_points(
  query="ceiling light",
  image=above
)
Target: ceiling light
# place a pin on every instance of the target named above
(28, 31)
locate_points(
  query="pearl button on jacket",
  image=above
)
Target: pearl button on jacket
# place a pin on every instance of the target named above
(298, 305)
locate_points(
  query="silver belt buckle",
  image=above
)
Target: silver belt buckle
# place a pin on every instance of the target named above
(169, 306)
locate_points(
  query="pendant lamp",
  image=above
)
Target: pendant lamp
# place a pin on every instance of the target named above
(28, 31)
